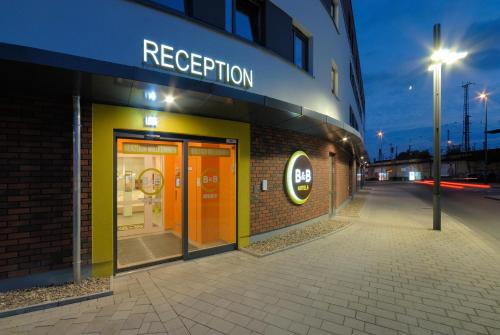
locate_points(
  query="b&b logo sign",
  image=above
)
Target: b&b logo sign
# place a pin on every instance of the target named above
(298, 177)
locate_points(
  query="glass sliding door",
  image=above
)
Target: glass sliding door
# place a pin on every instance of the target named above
(211, 195)
(158, 215)
(148, 201)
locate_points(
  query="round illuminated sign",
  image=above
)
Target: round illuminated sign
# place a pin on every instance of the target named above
(151, 181)
(298, 177)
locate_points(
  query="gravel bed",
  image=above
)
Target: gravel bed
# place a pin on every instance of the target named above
(296, 236)
(353, 208)
(37, 295)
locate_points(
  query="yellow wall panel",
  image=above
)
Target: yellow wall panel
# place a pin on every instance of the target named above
(106, 119)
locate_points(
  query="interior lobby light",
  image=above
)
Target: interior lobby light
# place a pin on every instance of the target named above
(344, 139)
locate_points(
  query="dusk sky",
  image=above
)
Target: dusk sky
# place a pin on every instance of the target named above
(394, 39)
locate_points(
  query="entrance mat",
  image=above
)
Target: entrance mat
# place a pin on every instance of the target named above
(147, 249)
(296, 237)
(131, 227)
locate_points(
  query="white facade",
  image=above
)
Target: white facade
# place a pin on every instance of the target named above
(114, 31)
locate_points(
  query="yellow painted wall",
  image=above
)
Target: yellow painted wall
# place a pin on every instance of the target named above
(106, 119)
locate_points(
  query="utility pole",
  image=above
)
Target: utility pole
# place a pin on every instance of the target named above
(448, 141)
(466, 120)
(484, 96)
(380, 135)
(486, 133)
(436, 168)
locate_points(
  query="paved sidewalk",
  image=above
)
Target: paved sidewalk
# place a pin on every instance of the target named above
(388, 273)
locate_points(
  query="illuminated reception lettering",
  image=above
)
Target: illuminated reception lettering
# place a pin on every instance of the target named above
(298, 178)
(166, 57)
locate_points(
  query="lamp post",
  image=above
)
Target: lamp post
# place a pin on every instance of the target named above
(438, 58)
(483, 96)
(380, 135)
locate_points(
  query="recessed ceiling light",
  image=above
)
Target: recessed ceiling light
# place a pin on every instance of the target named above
(150, 95)
(169, 99)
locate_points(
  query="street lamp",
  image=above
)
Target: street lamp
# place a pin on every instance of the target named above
(380, 134)
(483, 96)
(438, 58)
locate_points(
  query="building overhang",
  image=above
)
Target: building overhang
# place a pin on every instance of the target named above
(116, 84)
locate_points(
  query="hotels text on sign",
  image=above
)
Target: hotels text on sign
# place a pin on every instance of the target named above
(298, 177)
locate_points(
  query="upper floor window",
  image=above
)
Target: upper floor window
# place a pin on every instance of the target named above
(352, 119)
(229, 15)
(300, 49)
(247, 20)
(334, 12)
(178, 5)
(335, 80)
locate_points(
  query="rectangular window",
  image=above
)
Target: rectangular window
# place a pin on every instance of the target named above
(247, 20)
(300, 50)
(335, 80)
(178, 5)
(334, 12)
(352, 119)
(229, 15)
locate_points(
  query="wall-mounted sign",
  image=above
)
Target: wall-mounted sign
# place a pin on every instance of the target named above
(151, 181)
(150, 149)
(217, 152)
(167, 58)
(298, 177)
(150, 121)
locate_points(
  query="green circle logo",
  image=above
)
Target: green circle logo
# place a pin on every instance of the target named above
(299, 177)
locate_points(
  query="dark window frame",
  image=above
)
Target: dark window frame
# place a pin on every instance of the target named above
(352, 119)
(334, 13)
(334, 78)
(259, 33)
(298, 34)
(161, 6)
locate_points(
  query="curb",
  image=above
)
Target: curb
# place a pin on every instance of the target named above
(259, 255)
(492, 198)
(52, 304)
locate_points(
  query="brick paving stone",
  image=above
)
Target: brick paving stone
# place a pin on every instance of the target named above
(299, 328)
(220, 325)
(387, 273)
(336, 328)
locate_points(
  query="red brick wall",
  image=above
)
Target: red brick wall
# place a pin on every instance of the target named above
(342, 174)
(270, 150)
(36, 184)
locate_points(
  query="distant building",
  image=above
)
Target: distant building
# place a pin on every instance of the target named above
(454, 165)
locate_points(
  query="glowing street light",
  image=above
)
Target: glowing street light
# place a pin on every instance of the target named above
(380, 135)
(438, 58)
(483, 96)
(446, 56)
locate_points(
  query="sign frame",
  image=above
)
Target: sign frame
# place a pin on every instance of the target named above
(289, 178)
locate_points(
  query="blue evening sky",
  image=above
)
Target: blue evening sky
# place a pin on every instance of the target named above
(394, 38)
